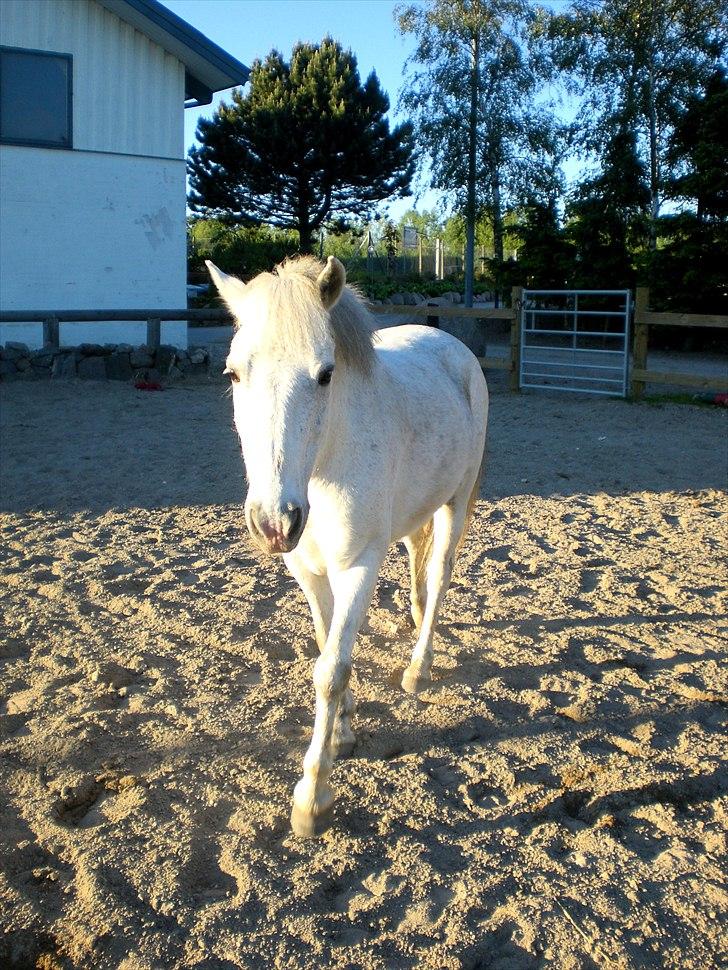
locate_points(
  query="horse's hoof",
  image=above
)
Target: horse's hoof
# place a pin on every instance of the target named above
(306, 825)
(413, 683)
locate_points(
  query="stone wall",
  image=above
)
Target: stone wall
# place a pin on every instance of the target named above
(94, 362)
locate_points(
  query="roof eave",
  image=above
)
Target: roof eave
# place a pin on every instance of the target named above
(208, 67)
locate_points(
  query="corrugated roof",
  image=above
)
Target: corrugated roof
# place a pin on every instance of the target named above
(208, 67)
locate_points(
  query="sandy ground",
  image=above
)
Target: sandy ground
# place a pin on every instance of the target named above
(557, 799)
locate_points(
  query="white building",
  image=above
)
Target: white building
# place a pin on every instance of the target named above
(92, 159)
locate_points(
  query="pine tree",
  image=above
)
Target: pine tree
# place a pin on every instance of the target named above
(306, 142)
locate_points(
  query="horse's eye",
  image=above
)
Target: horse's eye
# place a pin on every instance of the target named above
(232, 375)
(324, 377)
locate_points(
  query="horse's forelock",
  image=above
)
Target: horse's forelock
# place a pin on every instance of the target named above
(293, 298)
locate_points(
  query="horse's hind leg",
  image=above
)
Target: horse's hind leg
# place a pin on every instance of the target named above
(317, 591)
(418, 546)
(447, 528)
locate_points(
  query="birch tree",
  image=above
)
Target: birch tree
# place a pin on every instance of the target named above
(637, 63)
(471, 87)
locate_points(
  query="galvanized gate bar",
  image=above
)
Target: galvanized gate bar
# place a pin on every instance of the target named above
(549, 364)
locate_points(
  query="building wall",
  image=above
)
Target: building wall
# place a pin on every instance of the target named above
(89, 230)
(103, 225)
(128, 93)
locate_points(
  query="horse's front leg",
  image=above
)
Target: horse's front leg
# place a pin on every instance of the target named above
(317, 591)
(352, 588)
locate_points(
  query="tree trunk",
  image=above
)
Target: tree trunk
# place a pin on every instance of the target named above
(304, 237)
(652, 122)
(497, 215)
(472, 150)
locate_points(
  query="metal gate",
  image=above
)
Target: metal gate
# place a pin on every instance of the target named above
(575, 340)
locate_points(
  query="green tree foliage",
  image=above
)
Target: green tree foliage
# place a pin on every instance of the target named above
(638, 63)
(472, 86)
(608, 217)
(242, 250)
(690, 271)
(545, 256)
(306, 142)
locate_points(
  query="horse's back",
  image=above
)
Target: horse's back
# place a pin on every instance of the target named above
(425, 358)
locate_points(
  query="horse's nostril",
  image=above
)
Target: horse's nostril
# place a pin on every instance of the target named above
(291, 521)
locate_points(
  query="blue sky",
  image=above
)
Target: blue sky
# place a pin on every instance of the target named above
(251, 28)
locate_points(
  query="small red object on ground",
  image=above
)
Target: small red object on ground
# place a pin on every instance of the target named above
(148, 386)
(721, 399)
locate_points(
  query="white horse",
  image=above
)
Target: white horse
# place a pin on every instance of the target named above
(352, 439)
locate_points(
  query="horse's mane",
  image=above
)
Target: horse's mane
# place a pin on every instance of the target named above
(293, 288)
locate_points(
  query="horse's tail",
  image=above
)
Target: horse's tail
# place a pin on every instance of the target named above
(472, 499)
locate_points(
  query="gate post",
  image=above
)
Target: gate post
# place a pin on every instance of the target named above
(641, 335)
(516, 307)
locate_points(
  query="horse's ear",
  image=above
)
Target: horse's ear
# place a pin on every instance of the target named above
(230, 288)
(331, 282)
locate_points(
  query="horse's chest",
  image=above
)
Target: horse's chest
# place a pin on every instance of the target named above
(308, 553)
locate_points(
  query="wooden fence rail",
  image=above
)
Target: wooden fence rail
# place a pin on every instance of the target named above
(645, 318)
(153, 318)
(433, 312)
(51, 319)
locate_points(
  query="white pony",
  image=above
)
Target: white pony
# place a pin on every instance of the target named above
(351, 440)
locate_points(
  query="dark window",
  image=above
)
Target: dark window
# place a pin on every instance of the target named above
(35, 98)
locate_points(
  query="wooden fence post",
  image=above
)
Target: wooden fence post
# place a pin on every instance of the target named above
(154, 333)
(516, 304)
(51, 333)
(641, 336)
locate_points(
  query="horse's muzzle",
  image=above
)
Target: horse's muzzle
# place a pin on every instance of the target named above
(279, 535)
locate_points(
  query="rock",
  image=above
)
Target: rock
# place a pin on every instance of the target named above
(64, 366)
(13, 350)
(22, 363)
(198, 356)
(398, 299)
(174, 373)
(42, 358)
(164, 358)
(419, 299)
(141, 358)
(118, 367)
(93, 350)
(386, 301)
(92, 369)
(409, 299)
(457, 298)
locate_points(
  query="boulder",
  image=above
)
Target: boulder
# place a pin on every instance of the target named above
(118, 367)
(92, 369)
(398, 299)
(164, 358)
(22, 363)
(141, 358)
(409, 299)
(93, 350)
(64, 366)
(13, 350)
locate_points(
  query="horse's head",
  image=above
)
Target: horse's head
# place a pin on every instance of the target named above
(281, 364)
